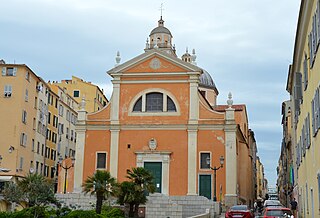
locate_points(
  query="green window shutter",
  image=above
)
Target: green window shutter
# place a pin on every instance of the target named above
(3, 71)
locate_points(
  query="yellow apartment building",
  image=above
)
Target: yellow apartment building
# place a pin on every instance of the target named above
(41, 105)
(78, 88)
(51, 135)
(303, 84)
(18, 120)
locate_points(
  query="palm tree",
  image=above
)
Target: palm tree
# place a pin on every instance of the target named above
(102, 184)
(143, 182)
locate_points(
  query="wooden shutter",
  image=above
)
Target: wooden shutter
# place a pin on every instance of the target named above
(4, 69)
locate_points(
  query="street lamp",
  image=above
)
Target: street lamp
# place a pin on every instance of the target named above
(66, 168)
(215, 175)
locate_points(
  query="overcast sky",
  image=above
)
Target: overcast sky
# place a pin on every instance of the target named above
(245, 45)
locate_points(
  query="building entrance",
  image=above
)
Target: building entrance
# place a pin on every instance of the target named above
(156, 169)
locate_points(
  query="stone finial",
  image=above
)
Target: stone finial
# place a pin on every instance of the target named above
(147, 44)
(83, 103)
(118, 58)
(229, 101)
(194, 57)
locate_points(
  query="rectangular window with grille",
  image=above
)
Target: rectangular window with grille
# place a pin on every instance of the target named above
(204, 157)
(101, 160)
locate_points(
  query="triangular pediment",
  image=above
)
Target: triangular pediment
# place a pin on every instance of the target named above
(155, 61)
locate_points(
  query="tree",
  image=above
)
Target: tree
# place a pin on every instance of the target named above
(38, 190)
(34, 190)
(133, 192)
(102, 184)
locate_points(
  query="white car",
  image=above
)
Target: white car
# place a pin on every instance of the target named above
(272, 203)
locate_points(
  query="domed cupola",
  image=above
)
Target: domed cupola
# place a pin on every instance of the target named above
(161, 38)
(186, 57)
(206, 80)
(208, 88)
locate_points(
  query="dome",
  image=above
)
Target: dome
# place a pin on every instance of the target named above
(206, 80)
(160, 29)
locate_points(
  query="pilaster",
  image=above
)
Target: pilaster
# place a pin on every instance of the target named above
(80, 145)
(192, 162)
(231, 196)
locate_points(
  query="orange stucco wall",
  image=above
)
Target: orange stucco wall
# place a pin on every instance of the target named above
(96, 140)
(167, 140)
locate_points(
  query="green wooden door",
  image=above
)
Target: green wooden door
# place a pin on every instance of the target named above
(156, 169)
(205, 186)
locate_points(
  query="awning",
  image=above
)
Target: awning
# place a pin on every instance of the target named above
(5, 178)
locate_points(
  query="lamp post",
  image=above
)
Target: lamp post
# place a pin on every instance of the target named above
(66, 168)
(215, 175)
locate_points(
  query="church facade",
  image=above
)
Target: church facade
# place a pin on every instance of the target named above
(163, 116)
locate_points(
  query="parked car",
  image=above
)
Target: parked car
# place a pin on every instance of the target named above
(273, 212)
(239, 211)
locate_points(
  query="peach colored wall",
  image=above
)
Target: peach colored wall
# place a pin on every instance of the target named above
(103, 114)
(167, 140)
(213, 142)
(96, 140)
(70, 177)
(206, 113)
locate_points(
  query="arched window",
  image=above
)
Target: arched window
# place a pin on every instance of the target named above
(170, 105)
(138, 105)
(154, 102)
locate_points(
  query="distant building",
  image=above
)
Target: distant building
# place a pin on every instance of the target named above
(78, 88)
(285, 168)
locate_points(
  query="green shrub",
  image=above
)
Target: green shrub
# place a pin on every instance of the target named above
(82, 214)
(113, 213)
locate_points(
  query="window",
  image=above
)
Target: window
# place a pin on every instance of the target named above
(170, 105)
(101, 160)
(53, 169)
(26, 98)
(71, 135)
(32, 145)
(24, 116)
(35, 102)
(138, 105)
(203, 160)
(9, 71)
(67, 133)
(305, 71)
(21, 163)
(27, 76)
(49, 117)
(42, 151)
(61, 110)
(7, 91)
(154, 102)
(47, 152)
(76, 93)
(38, 148)
(37, 166)
(23, 139)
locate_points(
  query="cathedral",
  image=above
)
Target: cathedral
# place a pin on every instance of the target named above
(163, 116)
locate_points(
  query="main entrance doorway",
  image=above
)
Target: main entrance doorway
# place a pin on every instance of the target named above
(205, 186)
(156, 169)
